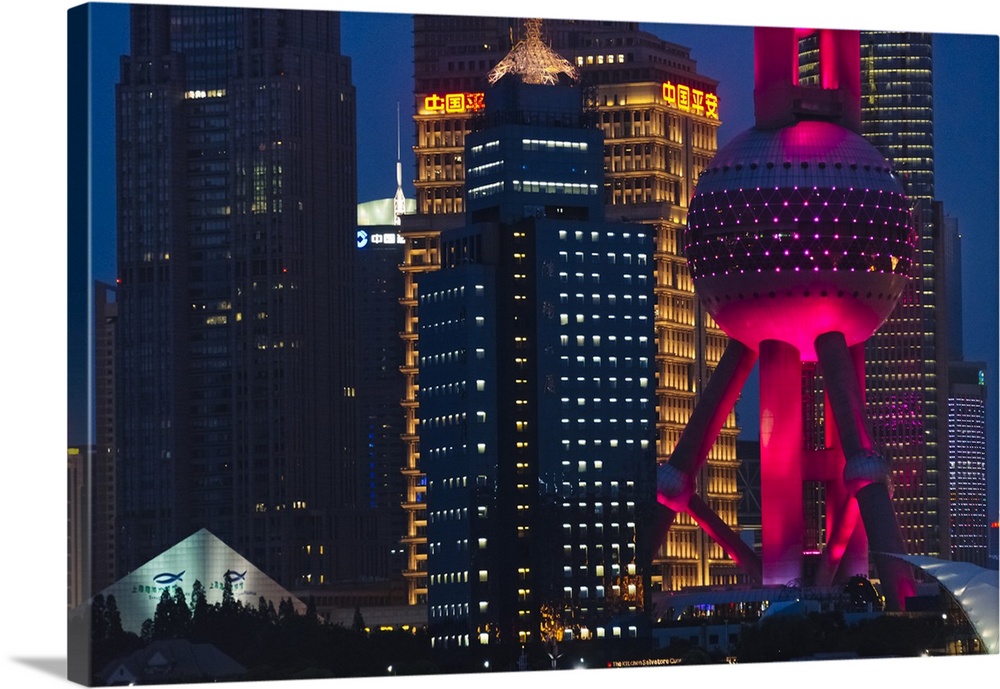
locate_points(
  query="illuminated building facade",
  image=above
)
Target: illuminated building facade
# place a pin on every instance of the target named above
(907, 359)
(967, 462)
(660, 120)
(659, 117)
(967, 444)
(236, 399)
(537, 396)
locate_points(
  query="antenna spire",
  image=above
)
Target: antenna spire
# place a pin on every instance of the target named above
(532, 60)
(398, 201)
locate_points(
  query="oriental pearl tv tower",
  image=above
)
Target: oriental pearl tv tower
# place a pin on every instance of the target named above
(799, 241)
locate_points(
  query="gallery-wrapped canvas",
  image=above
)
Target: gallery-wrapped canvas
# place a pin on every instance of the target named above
(434, 344)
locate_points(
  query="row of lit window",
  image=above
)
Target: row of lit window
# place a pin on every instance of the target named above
(598, 442)
(630, 568)
(451, 293)
(452, 357)
(451, 578)
(453, 609)
(609, 362)
(485, 168)
(595, 236)
(462, 544)
(454, 482)
(445, 388)
(488, 146)
(610, 340)
(485, 190)
(596, 299)
(210, 93)
(610, 58)
(542, 186)
(612, 258)
(583, 552)
(581, 318)
(553, 145)
(595, 278)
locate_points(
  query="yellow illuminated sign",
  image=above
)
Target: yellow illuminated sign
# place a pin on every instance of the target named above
(453, 103)
(692, 100)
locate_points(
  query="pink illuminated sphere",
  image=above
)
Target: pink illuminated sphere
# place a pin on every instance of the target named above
(799, 231)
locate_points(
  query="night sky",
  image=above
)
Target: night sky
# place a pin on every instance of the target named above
(380, 46)
(34, 298)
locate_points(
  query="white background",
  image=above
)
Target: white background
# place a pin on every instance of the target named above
(33, 567)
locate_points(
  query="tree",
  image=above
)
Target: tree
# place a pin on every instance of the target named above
(98, 619)
(164, 617)
(182, 612)
(112, 619)
(198, 599)
(358, 625)
(228, 600)
(286, 609)
(312, 615)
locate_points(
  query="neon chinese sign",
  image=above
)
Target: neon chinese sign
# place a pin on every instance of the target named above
(692, 100)
(453, 103)
(365, 238)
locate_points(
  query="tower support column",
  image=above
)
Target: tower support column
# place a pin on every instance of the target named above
(866, 472)
(781, 449)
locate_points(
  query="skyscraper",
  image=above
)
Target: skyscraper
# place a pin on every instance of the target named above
(537, 382)
(103, 524)
(907, 359)
(379, 283)
(967, 421)
(659, 116)
(967, 457)
(236, 398)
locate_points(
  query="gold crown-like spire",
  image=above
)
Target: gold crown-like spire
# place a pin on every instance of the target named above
(532, 60)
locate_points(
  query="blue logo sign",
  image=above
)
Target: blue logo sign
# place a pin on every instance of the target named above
(168, 578)
(362, 239)
(232, 576)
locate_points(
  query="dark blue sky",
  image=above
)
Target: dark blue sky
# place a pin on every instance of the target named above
(380, 45)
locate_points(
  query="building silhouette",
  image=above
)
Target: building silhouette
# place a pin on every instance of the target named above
(659, 116)
(236, 394)
(537, 395)
(103, 527)
(379, 314)
(79, 557)
(91, 468)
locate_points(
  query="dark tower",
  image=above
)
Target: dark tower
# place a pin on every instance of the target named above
(236, 205)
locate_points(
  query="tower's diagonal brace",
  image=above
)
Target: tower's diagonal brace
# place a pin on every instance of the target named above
(838, 541)
(675, 480)
(720, 532)
(867, 473)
